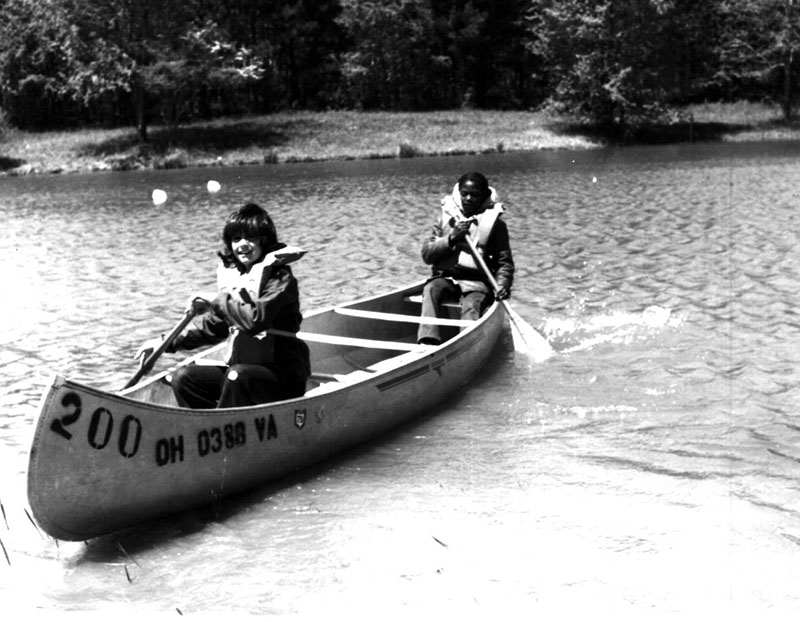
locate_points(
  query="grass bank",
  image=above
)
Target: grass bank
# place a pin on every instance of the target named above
(312, 136)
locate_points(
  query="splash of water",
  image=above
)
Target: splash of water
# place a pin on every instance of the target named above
(576, 334)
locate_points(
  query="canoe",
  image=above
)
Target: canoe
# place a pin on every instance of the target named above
(103, 461)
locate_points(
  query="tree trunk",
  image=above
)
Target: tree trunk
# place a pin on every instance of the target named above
(788, 65)
(787, 85)
(140, 111)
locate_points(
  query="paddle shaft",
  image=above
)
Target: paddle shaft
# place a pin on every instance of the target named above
(482, 264)
(148, 362)
(540, 345)
(489, 276)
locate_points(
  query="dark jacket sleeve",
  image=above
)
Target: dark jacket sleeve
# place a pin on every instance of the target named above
(499, 257)
(437, 246)
(278, 296)
(277, 293)
(207, 330)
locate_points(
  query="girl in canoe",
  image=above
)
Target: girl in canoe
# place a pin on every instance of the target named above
(256, 291)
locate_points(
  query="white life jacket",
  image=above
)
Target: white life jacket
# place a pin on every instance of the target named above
(246, 287)
(485, 220)
(232, 281)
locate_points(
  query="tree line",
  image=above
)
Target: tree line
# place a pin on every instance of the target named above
(66, 63)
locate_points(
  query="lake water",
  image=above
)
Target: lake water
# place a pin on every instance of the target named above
(649, 469)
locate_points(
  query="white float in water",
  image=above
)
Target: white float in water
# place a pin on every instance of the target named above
(159, 196)
(213, 186)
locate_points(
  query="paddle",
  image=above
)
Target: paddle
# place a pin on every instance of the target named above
(526, 338)
(147, 362)
(284, 255)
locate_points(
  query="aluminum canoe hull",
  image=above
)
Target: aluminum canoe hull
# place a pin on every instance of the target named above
(103, 461)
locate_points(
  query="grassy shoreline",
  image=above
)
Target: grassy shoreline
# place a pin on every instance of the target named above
(314, 136)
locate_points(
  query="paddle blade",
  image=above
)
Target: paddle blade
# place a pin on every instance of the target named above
(526, 338)
(285, 255)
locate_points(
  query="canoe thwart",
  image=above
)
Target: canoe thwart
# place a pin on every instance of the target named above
(417, 299)
(349, 341)
(398, 317)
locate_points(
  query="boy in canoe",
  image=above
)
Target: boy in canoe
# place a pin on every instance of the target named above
(469, 220)
(257, 291)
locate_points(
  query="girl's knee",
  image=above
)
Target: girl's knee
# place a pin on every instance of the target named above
(178, 377)
(239, 373)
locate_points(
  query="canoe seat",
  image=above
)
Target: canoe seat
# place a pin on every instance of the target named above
(417, 298)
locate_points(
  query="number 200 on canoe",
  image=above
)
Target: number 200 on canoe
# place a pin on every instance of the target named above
(102, 424)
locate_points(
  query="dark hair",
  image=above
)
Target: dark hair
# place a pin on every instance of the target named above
(249, 221)
(476, 178)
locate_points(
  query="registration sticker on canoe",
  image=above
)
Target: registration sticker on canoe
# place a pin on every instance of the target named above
(300, 418)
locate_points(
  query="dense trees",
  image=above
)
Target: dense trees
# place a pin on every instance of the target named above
(760, 45)
(615, 60)
(70, 62)
(36, 42)
(161, 54)
(393, 60)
